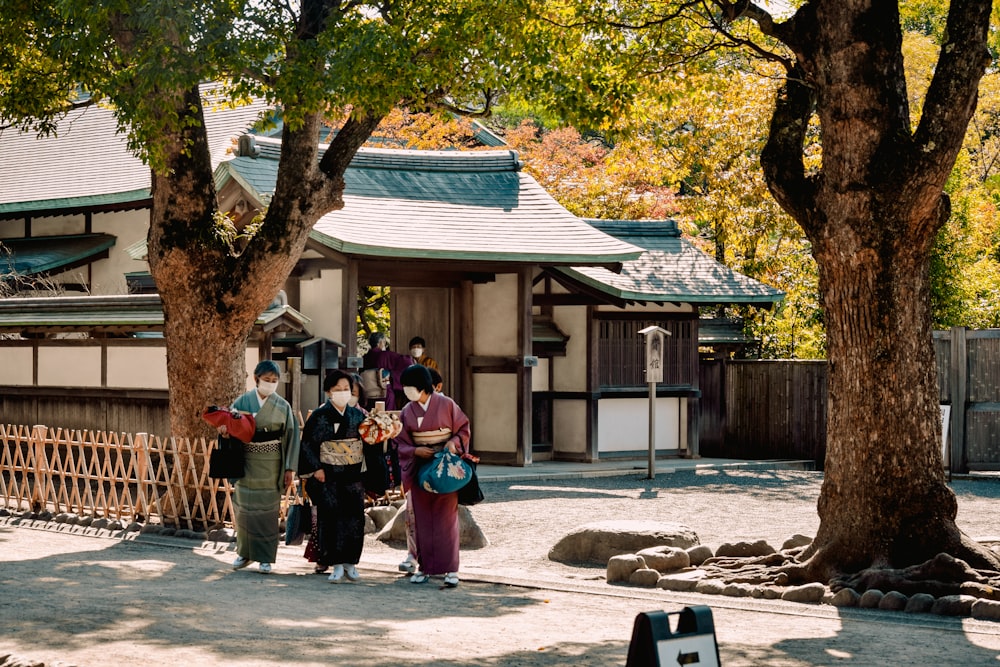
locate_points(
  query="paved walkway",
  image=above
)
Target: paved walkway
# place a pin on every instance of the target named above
(86, 600)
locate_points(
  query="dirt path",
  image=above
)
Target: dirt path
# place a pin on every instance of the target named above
(164, 601)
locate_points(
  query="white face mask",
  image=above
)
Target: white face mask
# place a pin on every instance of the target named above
(340, 398)
(266, 388)
(412, 393)
(416, 352)
(353, 401)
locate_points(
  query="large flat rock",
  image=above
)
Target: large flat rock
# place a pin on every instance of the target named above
(595, 543)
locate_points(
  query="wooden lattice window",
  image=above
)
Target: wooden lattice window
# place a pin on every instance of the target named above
(621, 352)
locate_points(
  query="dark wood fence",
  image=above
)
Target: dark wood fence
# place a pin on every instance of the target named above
(777, 409)
(91, 409)
(763, 409)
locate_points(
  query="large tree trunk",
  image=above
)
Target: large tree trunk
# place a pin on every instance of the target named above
(871, 214)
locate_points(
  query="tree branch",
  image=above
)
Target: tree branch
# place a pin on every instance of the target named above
(781, 158)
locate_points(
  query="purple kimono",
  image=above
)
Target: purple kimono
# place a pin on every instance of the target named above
(395, 363)
(436, 514)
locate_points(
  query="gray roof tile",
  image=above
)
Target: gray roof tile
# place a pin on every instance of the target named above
(671, 270)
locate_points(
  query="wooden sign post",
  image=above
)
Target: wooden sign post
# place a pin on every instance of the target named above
(655, 342)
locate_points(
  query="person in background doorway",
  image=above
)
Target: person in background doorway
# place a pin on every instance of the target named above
(271, 460)
(437, 381)
(380, 356)
(436, 514)
(418, 350)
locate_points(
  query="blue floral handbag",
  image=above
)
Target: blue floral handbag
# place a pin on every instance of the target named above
(446, 473)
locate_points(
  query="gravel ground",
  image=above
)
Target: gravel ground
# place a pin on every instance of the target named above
(524, 519)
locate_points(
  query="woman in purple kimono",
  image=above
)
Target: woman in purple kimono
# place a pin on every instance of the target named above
(435, 514)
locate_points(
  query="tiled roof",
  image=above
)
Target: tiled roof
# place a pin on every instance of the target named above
(88, 163)
(671, 270)
(44, 254)
(124, 313)
(471, 205)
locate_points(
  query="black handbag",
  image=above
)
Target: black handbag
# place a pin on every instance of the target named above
(227, 459)
(298, 522)
(471, 494)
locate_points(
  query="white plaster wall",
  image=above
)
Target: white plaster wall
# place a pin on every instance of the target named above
(569, 427)
(137, 367)
(16, 364)
(540, 375)
(320, 299)
(623, 424)
(75, 366)
(570, 372)
(494, 412)
(11, 229)
(57, 225)
(130, 227)
(495, 317)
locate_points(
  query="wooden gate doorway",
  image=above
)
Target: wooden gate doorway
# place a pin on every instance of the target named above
(428, 312)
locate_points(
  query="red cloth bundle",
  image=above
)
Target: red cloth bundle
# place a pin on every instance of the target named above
(240, 426)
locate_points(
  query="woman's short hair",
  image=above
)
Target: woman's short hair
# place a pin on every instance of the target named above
(375, 338)
(335, 376)
(266, 366)
(436, 378)
(419, 377)
(362, 397)
(417, 340)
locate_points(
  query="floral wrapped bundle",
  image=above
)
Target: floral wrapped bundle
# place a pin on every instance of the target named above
(379, 426)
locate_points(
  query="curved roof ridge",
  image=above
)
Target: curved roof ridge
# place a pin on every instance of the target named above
(400, 159)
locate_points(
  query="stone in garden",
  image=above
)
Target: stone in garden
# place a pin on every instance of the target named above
(62, 517)
(99, 523)
(796, 541)
(218, 534)
(871, 598)
(84, 521)
(665, 559)
(806, 593)
(370, 526)
(738, 590)
(133, 527)
(710, 587)
(644, 577)
(45, 516)
(595, 543)
(771, 593)
(976, 589)
(953, 605)
(151, 528)
(699, 554)
(893, 601)
(744, 549)
(846, 597)
(681, 581)
(470, 535)
(116, 525)
(986, 609)
(382, 514)
(4, 512)
(620, 568)
(919, 603)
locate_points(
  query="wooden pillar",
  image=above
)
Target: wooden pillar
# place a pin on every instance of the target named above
(348, 310)
(694, 401)
(466, 345)
(959, 395)
(592, 452)
(524, 439)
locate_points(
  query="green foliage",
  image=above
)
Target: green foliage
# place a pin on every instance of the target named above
(373, 314)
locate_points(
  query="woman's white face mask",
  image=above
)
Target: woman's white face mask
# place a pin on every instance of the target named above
(416, 352)
(340, 398)
(266, 388)
(412, 393)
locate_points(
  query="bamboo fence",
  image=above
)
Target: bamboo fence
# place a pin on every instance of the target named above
(120, 476)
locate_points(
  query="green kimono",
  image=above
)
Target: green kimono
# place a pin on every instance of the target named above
(257, 495)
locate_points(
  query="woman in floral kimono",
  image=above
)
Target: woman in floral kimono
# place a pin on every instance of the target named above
(333, 478)
(271, 459)
(435, 514)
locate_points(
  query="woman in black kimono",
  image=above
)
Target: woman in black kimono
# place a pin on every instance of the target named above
(330, 460)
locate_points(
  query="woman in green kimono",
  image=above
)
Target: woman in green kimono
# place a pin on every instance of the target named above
(271, 460)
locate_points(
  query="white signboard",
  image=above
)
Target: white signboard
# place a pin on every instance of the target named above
(654, 356)
(698, 650)
(945, 419)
